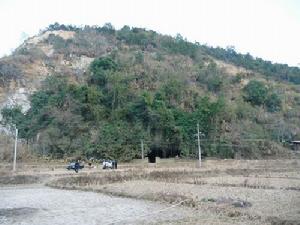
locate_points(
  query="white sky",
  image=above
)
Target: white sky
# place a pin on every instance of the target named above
(265, 28)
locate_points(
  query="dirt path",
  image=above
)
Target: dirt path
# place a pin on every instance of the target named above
(42, 206)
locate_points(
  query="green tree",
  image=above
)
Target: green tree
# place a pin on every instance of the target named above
(255, 92)
(119, 140)
(173, 91)
(65, 135)
(100, 69)
(12, 116)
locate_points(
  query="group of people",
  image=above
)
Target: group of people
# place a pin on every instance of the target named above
(106, 164)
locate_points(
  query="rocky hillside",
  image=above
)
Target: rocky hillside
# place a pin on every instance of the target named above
(158, 85)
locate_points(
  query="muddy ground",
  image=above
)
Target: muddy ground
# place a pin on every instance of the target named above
(175, 192)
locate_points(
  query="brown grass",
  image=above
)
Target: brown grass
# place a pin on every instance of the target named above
(20, 179)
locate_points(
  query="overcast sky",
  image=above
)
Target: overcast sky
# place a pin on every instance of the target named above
(265, 28)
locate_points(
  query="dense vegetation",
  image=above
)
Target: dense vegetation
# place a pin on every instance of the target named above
(258, 94)
(146, 86)
(104, 118)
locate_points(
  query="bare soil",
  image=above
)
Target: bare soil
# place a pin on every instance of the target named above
(45, 206)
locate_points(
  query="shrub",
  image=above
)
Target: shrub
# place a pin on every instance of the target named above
(273, 102)
(179, 46)
(57, 26)
(214, 84)
(297, 100)
(8, 72)
(139, 57)
(245, 110)
(57, 41)
(255, 92)
(108, 28)
(212, 76)
(237, 78)
(137, 36)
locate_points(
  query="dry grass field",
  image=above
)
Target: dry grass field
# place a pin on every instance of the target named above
(220, 192)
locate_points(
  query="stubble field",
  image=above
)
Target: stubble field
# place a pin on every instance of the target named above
(220, 192)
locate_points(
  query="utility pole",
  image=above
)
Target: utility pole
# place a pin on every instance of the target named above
(15, 152)
(199, 147)
(142, 148)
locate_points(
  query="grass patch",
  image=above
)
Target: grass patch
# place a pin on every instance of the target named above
(19, 179)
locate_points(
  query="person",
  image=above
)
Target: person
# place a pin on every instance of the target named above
(113, 164)
(76, 166)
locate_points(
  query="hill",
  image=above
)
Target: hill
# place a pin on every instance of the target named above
(97, 91)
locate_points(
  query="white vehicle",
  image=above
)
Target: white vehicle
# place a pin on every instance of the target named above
(109, 164)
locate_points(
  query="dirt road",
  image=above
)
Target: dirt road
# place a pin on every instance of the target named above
(43, 206)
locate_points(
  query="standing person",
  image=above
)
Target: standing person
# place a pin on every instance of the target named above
(77, 166)
(113, 164)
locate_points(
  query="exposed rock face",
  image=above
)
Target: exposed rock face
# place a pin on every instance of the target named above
(63, 34)
(19, 97)
(24, 70)
(36, 58)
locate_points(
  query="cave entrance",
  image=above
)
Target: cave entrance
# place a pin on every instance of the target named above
(152, 157)
(162, 152)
